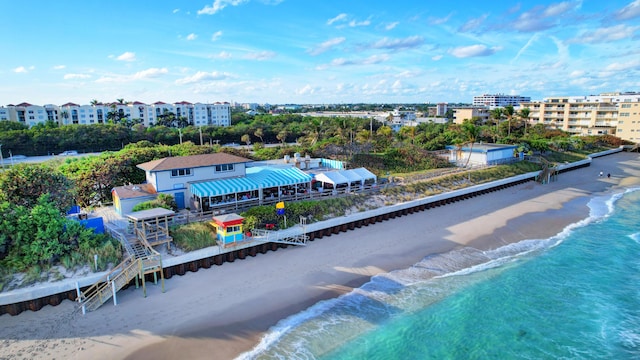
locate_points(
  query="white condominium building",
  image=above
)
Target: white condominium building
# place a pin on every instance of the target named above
(499, 100)
(198, 114)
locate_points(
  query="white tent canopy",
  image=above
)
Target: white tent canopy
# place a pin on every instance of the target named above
(346, 177)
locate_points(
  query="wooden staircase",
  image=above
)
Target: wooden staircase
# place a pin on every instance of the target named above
(141, 260)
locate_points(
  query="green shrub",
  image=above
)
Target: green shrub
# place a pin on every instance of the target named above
(193, 236)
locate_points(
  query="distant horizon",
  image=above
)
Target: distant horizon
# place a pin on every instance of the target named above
(331, 52)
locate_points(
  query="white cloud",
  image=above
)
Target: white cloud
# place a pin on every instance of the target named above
(391, 26)
(409, 42)
(473, 24)
(436, 57)
(306, 90)
(373, 59)
(20, 70)
(354, 23)
(576, 73)
(631, 11)
(219, 5)
(127, 56)
(192, 36)
(175, 11)
(150, 73)
(439, 21)
(623, 66)
(607, 34)
(76, 76)
(325, 46)
(221, 55)
(260, 56)
(216, 35)
(561, 8)
(340, 17)
(140, 75)
(59, 67)
(473, 51)
(202, 76)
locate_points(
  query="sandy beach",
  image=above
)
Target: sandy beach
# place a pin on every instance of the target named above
(221, 312)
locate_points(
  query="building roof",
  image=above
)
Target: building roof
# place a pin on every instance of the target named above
(150, 214)
(192, 161)
(134, 191)
(223, 187)
(482, 147)
(268, 177)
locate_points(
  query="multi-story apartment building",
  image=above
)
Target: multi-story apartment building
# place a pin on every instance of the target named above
(579, 118)
(460, 114)
(198, 114)
(499, 100)
(628, 127)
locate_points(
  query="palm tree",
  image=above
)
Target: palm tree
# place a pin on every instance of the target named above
(508, 111)
(470, 133)
(524, 115)
(246, 139)
(94, 102)
(496, 114)
(259, 133)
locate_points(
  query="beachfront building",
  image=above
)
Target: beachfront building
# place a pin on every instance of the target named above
(481, 154)
(223, 182)
(628, 126)
(578, 118)
(198, 114)
(460, 114)
(29, 114)
(493, 101)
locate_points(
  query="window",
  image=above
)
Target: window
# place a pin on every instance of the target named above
(626, 106)
(231, 229)
(180, 172)
(224, 167)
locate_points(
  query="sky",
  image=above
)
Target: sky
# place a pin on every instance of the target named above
(314, 52)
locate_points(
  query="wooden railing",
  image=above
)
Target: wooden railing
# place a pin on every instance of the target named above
(103, 290)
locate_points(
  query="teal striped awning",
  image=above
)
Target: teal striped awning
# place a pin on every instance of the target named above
(223, 187)
(275, 177)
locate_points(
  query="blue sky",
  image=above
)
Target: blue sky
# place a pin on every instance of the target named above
(304, 51)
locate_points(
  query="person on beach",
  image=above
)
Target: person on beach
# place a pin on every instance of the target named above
(600, 173)
(608, 175)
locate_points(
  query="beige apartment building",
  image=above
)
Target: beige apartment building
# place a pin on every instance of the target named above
(460, 114)
(628, 127)
(577, 118)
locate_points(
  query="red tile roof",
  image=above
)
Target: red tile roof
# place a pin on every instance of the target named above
(134, 191)
(192, 161)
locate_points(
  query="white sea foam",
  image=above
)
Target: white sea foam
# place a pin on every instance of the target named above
(403, 291)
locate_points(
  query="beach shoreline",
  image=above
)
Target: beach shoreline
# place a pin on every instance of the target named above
(224, 311)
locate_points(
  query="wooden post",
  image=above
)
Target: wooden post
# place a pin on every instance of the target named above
(141, 272)
(80, 297)
(113, 291)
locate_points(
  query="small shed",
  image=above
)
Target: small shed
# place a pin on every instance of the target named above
(128, 196)
(228, 229)
(482, 154)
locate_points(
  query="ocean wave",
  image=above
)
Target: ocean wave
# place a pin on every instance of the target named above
(317, 330)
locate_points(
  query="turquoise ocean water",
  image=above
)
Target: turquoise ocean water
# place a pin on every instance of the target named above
(573, 296)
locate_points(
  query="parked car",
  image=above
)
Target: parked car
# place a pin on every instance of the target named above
(68, 153)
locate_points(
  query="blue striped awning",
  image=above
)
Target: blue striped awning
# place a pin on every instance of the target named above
(267, 177)
(223, 187)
